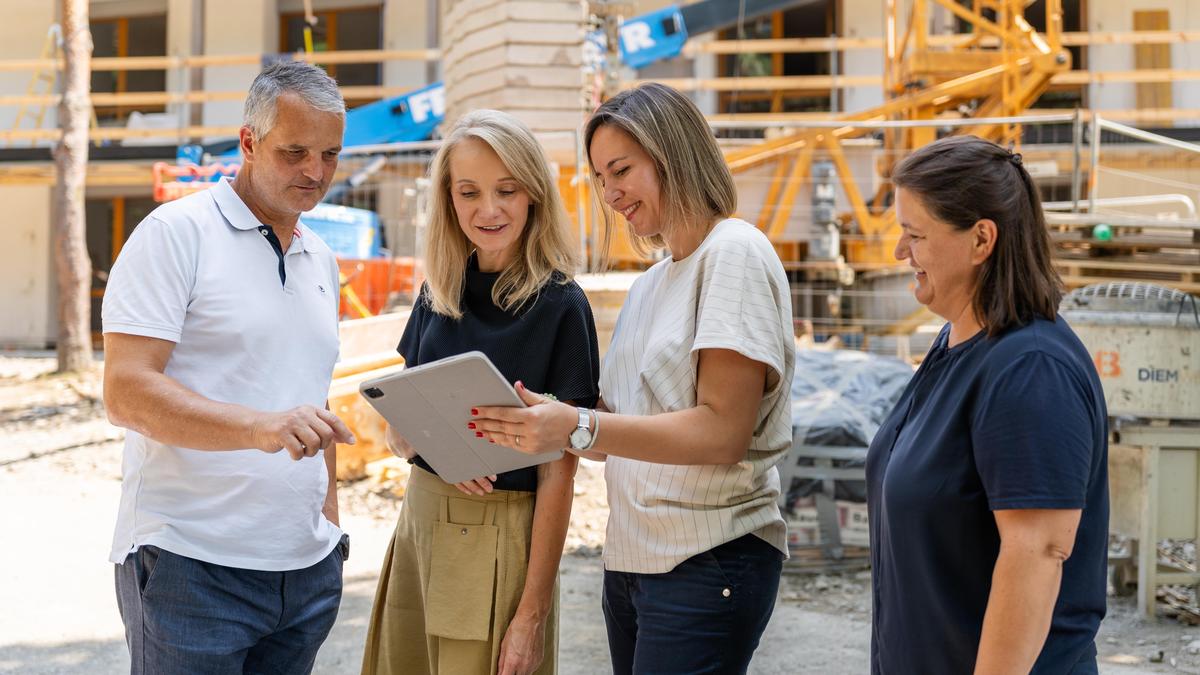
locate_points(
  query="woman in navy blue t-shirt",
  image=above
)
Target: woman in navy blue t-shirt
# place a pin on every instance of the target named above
(988, 484)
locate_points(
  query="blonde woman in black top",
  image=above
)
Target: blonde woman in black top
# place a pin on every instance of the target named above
(499, 265)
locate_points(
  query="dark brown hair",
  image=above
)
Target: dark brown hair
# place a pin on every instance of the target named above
(964, 179)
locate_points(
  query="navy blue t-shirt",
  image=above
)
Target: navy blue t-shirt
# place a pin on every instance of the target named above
(1016, 421)
(549, 344)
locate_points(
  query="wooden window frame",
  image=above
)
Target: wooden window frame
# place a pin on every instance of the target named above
(121, 112)
(833, 12)
(330, 19)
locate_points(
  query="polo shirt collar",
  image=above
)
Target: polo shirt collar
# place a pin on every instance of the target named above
(240, 216)
(232, 207)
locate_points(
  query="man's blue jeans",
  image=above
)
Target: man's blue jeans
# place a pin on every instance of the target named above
(186, 616)
(704, 616)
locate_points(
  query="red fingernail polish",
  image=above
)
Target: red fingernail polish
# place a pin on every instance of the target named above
(474, 411)
(470, 425)
(479, 434)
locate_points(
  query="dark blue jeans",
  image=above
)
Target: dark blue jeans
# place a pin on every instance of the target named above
(704, 616)
(185, 616)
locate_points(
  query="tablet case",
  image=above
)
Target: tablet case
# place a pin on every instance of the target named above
(430, 405)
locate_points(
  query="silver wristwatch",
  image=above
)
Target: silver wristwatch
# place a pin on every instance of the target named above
(583, 436)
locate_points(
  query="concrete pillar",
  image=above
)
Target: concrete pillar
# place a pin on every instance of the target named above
(236, 27)
(185, 37)
(410, 25)
(26, 273)
(704, 67)
(863, 19)
(522, 57)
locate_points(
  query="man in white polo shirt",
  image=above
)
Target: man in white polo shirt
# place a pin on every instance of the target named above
(220, 336)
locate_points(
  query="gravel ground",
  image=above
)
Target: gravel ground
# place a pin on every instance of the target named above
(60, 483)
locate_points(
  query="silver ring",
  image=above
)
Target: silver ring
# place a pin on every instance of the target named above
(303, 448)
(518, 439)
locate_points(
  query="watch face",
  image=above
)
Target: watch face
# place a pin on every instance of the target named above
(580, 438)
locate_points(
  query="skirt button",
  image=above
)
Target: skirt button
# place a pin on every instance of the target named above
(726, 593)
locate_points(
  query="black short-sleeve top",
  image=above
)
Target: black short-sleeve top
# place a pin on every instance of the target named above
(549, 344)
(1015, 421)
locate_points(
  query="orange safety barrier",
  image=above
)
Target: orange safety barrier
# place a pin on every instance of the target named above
(374, 280)
(172, 181)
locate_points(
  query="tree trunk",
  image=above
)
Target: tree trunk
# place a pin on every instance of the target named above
(73, 267)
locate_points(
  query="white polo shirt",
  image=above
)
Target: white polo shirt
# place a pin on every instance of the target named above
(200, 272)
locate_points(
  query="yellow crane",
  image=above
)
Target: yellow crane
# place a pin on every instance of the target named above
(998, 71)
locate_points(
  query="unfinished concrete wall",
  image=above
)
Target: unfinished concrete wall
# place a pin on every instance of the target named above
(22, 34)
(26, 273)
(1184, 15)
(236, 27)
(522, 57)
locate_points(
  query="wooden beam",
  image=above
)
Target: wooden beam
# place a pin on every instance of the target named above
(830, 44)
(789, 82)
(1143, 76)
(1148, 37)
(1126, 265)
(805, 82)
(99, 174)
(1141, 116)
(121, 133)
(148, 98)
(121, 63)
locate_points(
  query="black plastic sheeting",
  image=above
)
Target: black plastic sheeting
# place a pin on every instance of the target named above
(839, 398)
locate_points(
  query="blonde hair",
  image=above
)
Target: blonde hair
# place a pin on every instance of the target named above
(544, 247)
(694, 181)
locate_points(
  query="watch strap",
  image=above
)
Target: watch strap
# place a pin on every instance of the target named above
(595, 429)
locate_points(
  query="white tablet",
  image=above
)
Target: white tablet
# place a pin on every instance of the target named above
(430, 405)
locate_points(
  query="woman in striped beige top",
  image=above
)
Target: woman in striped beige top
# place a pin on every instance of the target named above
(695, 412)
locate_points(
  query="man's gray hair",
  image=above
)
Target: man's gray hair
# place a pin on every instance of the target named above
(312, 84)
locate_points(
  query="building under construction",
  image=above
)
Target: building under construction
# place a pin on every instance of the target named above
(813, 99)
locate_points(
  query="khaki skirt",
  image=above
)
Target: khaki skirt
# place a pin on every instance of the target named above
(451, 582)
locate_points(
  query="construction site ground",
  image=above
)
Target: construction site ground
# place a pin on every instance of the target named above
(59, 487)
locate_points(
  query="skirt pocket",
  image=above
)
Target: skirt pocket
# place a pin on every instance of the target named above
(462, 581)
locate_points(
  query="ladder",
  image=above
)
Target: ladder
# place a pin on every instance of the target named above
(44, 82)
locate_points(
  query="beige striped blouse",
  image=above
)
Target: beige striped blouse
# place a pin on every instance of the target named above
(731, 293)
